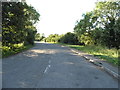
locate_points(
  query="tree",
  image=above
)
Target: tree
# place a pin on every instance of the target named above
(109, 17)
(52, 38)
(69, 38)
(84, 28)
(18, 21)
(39, 37)
(100, 26)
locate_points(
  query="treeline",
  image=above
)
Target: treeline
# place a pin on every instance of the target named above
(98, 27)
(53, 38)
(18, 21)
(68, 38)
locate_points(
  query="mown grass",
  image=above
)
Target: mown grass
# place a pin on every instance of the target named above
(17, 48)
(109, 55)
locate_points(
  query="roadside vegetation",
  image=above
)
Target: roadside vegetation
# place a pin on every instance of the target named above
(97, 33)
(18, 27)
(110, 55)
(16, 48)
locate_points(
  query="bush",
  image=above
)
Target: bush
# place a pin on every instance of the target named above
(53, 38)
(69, 38)
(15, 48)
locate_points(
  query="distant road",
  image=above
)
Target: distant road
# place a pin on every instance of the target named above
(52, 66)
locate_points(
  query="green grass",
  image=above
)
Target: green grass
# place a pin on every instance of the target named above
(7, 51)
(109, 55)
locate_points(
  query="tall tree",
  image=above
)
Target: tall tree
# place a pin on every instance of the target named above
(18, 21)
(108, 13)
(101, 26)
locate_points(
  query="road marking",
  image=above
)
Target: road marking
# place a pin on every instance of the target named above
(47, 68)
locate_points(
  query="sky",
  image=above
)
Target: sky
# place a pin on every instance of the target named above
(60, 16)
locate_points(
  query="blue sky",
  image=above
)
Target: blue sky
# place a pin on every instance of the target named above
(59, 16)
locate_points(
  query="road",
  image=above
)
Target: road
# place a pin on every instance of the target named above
(52, 66)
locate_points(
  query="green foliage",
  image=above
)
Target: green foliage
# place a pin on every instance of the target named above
(53, 38)
(84, 28)
(86, 39)
(18, 21)
(102, 25)
(7, 51)
(69, 38)
(39, 37)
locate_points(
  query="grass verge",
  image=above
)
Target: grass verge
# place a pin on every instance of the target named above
(109, 55)
(7, 51)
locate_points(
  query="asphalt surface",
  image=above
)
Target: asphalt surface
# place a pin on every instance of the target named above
(52, 66)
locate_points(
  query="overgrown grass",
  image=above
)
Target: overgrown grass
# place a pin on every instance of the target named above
(7, 51)
(109, 55)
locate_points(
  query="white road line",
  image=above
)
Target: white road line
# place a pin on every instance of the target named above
(47, 68)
